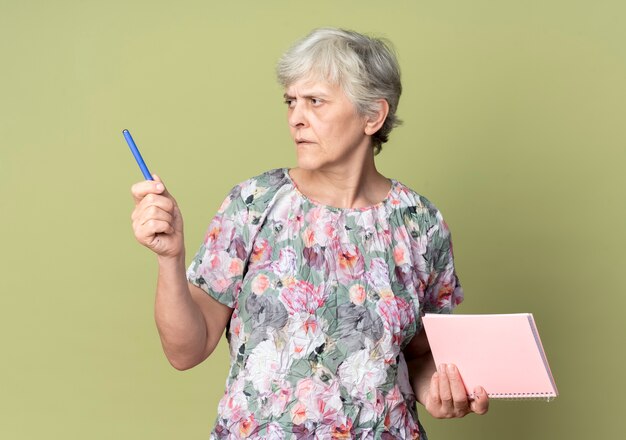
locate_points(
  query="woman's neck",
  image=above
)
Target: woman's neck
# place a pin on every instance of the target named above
(343, 186)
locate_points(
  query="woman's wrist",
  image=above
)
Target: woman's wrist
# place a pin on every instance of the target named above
(421, 370)
(171, 261)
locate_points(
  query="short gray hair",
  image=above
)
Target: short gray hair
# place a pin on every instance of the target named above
(365, 68)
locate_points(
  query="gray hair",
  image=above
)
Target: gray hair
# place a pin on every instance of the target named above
(365, 68)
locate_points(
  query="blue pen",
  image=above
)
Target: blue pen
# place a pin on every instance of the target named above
(137, 154)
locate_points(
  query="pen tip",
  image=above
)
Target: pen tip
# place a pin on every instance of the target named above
(124, 131)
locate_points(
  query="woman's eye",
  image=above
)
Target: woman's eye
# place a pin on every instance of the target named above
(289, 102)
(316, 101)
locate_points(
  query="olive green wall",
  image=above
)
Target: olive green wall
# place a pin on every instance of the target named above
(514, 126)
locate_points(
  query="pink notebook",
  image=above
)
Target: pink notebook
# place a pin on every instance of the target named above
(502, 353)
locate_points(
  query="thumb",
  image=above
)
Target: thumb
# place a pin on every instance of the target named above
(162, 189)
(480, 404)
(160, 185)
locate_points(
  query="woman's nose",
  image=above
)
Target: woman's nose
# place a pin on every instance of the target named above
(296, 117)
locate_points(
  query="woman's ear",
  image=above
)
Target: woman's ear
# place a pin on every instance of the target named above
(375, 121)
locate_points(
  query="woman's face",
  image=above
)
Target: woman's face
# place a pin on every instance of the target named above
(325, 125)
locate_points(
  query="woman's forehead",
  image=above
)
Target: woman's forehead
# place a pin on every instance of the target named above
(312, 87)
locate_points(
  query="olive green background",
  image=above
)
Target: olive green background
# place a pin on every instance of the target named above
(514, 126)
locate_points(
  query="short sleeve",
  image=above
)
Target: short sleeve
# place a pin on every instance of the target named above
(443, 292)
(218, 266)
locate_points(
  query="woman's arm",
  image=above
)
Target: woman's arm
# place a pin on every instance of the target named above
(189, 321)
(440, 390)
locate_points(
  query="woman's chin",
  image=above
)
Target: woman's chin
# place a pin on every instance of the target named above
(305, 162)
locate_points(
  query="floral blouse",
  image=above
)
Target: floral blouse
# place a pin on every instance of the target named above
(324, 300)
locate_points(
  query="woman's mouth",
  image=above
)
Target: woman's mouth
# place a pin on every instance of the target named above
(303, 142)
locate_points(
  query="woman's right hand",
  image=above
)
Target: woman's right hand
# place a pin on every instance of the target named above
(156, 219)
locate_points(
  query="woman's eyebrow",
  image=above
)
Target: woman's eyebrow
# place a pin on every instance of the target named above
(307, 95)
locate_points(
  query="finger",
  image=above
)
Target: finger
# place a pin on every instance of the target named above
(433, 400)
(141, 189)
(153, 227)
(457, 388)
(157, 200)
(480, 404)
(445, 394)
(154, 212)
(434, 395)
(150, 204)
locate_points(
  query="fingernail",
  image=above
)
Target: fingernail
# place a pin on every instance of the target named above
(442, 368)
(451, 369)
(160, 187)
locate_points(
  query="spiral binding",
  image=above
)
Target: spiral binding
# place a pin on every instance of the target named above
(522, 396)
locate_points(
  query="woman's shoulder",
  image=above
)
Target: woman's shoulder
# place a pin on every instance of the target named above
(418, 214)
(257, 192)
(408, 199)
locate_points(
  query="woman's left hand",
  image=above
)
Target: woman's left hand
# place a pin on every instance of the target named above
(447, 397)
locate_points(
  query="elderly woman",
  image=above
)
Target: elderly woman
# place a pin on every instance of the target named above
(319, 273)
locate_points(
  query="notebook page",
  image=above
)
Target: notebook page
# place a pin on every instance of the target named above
(501, 353)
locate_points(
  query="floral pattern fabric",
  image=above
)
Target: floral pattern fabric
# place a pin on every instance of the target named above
(324, 300)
